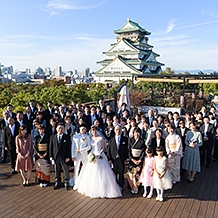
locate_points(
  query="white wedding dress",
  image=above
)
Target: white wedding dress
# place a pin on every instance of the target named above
(96, 179)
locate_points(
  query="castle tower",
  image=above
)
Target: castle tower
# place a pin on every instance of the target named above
(131, 54)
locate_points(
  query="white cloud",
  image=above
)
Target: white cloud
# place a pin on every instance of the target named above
(169, 28)
(209, 13)
(54, 7)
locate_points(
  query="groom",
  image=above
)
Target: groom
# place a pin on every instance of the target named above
(117, 154)
(79, 149)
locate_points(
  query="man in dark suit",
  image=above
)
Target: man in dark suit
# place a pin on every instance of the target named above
(208, 136)
(109, 111)
(48, 112)
(10, 111)
(8, 140)
(101, 105)
(175, 122)
(33, 108)
(28, 118)
(182, 131)
(118, 153)
(3, 123)
(60, 154)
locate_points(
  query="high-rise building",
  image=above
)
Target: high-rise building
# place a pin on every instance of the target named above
(75, 72)
(39, 71)
(47, 71)
(57, 71)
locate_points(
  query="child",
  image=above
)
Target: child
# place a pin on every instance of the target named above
(147, 172)
(162, 178)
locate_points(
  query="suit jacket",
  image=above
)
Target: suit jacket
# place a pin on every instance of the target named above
(210, 133)
(8, 140)
(154, 145)
(28, 121)
(47, 113)
(62, 148)
(123, 149)
(2, 124)
(88, 120)
(13, 115)
(174, 125)
(179, 132)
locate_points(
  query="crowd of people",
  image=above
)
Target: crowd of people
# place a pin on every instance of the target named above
(104, 148)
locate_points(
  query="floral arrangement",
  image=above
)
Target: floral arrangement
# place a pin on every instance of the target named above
(92, 157)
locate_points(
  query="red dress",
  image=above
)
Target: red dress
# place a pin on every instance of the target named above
(22, 147)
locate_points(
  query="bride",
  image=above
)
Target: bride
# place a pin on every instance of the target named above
(96, 178)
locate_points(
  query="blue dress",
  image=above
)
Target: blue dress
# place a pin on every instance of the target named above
(191, 159)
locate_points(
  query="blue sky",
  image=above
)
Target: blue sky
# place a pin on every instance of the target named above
(73, 34)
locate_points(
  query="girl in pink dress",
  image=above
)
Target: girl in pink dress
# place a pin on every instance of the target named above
(24, 154)
(147, 172)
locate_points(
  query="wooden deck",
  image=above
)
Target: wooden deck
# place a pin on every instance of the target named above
(198, 199)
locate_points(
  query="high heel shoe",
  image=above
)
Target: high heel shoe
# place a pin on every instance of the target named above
(24, 183)
(27, 182)
(191, 179)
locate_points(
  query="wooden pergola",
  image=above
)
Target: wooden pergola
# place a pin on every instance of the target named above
(184, 79)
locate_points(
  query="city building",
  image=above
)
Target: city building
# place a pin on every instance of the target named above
(58, 71)
(47, 71)
(130, 55)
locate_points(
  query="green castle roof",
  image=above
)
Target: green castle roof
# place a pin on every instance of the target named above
(131, 26)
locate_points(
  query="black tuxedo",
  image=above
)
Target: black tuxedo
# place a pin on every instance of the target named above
(150, 120)
(207, 145)
(50, 132)
(62, 148)
(89, 120)
(28, 120)
(118, 157)
(33, 112)
(48, 115)
(154, 145)
(8, 141)
(174, 125)
(62, 116)
(59, 151)
(4, 152)
(178, 131)
(13, 115)
(110, 114)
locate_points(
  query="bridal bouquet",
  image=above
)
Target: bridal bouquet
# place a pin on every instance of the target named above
(92, 157)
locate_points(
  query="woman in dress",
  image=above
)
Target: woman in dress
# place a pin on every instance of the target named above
(24, 154)
(69, 128)
(173, 144)
(191, 159)
(108, 131)
(41, 143)
(96, 179)
(136, 156)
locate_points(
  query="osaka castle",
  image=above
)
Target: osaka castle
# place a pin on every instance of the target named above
(129, 55)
